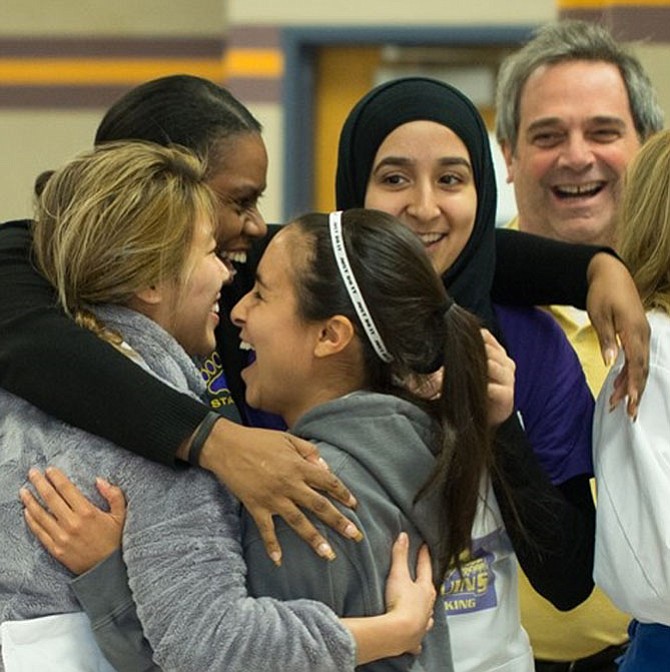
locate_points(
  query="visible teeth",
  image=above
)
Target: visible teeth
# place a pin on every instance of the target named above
(245, 346)
(578, 189)
(215, 308)
(238, 256)
(428, 238)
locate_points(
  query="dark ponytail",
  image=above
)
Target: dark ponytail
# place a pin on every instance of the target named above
(466, 456)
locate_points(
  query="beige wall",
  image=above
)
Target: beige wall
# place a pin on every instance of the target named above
(390, 12)
(111, 17)
(656, 61)
(33, 141)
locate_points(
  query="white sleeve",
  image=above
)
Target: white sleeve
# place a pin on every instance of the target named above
(632, 468)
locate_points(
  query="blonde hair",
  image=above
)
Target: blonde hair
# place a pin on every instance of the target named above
(119, 219)
(643, 225)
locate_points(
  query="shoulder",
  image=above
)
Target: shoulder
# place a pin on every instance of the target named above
(533, 333)
(18, 230)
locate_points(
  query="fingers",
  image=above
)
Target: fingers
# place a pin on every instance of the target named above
(399, 559)
(39, 531)
(303, 527)
(307, 450)
(266, 528)
(605, 331)
(114, 496)
(636, 349)
(424, 567)
(43, 525)
(53, 490)
(39, 520)
(321, 479)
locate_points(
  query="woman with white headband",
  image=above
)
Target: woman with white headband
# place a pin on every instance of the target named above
(344, 311)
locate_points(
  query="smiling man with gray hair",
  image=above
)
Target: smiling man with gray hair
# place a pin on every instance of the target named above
(573, 108)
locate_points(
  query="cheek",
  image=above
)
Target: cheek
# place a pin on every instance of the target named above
(229, 225)
(385, 201)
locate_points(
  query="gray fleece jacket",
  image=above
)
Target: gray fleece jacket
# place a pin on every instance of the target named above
(181, 541)
(382, 449)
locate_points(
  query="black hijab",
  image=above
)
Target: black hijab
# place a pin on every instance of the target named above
(470, 277)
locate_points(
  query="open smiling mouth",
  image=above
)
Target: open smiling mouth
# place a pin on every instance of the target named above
(238, 256)
(431, 238)
(573, 191)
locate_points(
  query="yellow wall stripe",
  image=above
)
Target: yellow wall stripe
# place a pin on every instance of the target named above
(51, 71)
(248, 63)
(268, 63)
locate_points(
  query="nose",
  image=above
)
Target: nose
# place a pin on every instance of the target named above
(239, 311)
(577, 153)
(254, 224)
(423, 205)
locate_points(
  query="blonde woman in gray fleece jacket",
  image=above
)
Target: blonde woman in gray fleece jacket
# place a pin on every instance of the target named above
(126, 235)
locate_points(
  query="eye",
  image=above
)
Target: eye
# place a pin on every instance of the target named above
(452, 180)
(606, 135)
(256, 293)
(392, 179)
(547, 139)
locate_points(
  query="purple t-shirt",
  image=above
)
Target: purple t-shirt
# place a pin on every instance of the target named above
(551, 393)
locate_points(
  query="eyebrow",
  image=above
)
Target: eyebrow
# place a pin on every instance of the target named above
(246, 190)
(404, 161)
(557, 121)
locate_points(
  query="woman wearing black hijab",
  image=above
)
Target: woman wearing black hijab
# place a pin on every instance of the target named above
(418, 149)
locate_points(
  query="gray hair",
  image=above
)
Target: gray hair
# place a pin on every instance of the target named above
(573, 41)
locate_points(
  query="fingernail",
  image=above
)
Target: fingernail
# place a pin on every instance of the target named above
(101, 481)
(403, 539)
(324, 464)
(275, 556)
(353, 532)
(353, 502)
(23, 492)
(325, 551)
(32, 472)
(610, 356)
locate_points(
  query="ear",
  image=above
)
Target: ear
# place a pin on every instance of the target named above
(508, 155)
(334, 336)
(152, 295)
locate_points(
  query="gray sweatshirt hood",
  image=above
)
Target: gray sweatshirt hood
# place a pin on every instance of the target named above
(392, 438)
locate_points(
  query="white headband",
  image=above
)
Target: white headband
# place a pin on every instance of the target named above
(347, 275)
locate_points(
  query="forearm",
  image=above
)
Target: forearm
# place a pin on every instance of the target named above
(552, 529)
(104, 595)
(378, 637)
(533, 270)
(85, 382)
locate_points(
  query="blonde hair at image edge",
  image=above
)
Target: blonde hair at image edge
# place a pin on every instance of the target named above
(643, 225)
(119, 219)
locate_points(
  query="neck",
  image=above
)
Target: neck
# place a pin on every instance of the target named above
(328, 386)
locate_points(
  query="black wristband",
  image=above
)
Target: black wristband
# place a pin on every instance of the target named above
(201, 434)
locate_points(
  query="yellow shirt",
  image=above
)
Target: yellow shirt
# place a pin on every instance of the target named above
(596, 623)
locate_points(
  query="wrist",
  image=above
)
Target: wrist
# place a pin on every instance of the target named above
(223, 439)
(600, 261)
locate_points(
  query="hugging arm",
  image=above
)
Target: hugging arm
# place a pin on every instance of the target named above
(532, 270)
(71, 374)
(552, 528)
